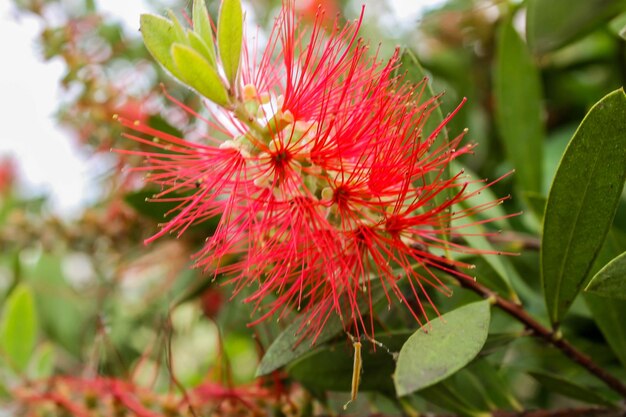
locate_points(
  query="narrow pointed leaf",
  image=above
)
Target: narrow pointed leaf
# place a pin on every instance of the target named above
(289, 345)
(18, 329)
(518, 107)
(196, 72)
(569, 389)
(179, 30)
(202, 27)
(199, 46)
(610, 281)
(609, 315)
(330, 367)
(158, 35)
(582, 202)
(416, 74)
(554, 23)
(43, 361)
(230, 36)
(442, 347)
(445, 395)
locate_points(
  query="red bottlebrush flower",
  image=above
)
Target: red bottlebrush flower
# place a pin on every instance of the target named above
(325, 183)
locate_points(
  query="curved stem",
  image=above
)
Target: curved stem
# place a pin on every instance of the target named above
(538, 330)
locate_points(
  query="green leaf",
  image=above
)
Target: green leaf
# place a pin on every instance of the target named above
(473, 234)
(198, 73)
(537, 203)
(179, 30)
(157, 210)
(330, 367)
(442, 347)
(289, 345)
(416, 74)
(497, 388)
(18, 329)
(569, 389)
(202, 27)
(445, 395)
(518, 107)
(159, 34)
(582, 202)
(199, 46)
(609, 313)
(554, 23)
(229, 37)
(610, 281)
(42, 365)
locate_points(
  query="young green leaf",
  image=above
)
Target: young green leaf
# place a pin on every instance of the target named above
(582, 202)
(610, 281)
(18, 329)
(202, 27)
(442, 347)
(196, 72)
(159, 34)
(179, 30)
(199, 46)
(229, 37)
(518, 107)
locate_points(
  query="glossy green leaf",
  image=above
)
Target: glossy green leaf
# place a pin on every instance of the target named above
(202, 27)
(290, 345)
(610, 281)
(18, 329)
(554, 23)
(442, 347)
(230, 36)
(518, 97)
(569, 389)
(582, 202)
(159, 34)
(196, 72)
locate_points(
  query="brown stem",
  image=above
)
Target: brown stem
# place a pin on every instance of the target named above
(554, 338)
(564, 412)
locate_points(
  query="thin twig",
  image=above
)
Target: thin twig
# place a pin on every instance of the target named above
(538, 330)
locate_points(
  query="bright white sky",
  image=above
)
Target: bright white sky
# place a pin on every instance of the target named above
(29, 93)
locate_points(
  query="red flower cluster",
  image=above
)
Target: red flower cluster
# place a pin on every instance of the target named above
(323, 175)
